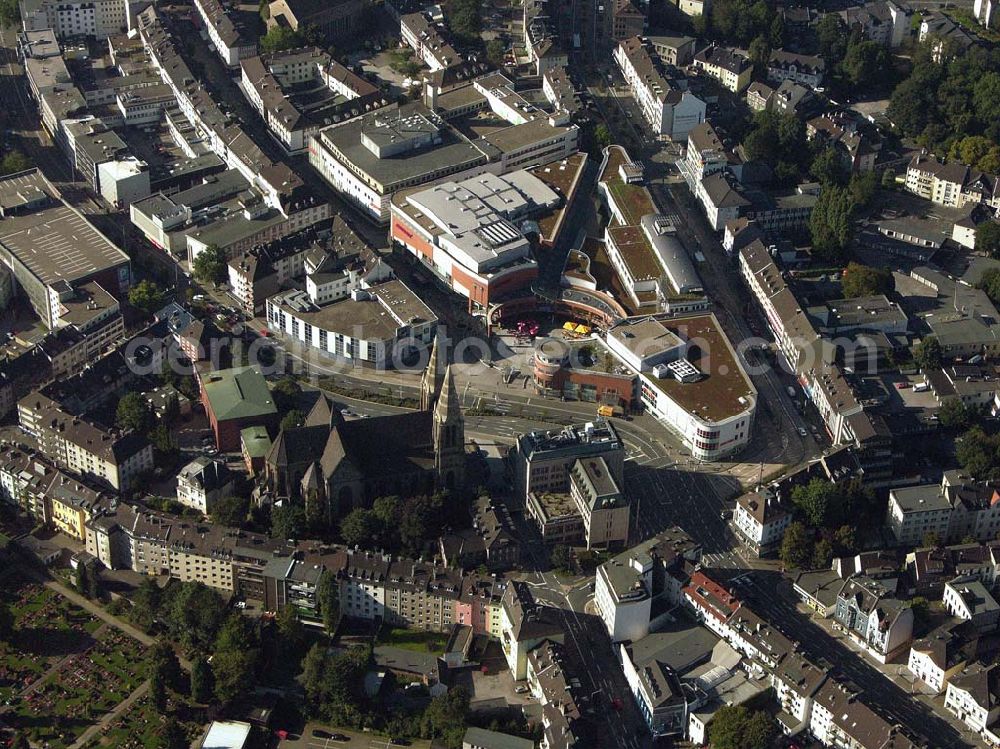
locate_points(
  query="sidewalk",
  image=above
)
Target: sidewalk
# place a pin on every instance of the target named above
(113, 715)
(98, 611)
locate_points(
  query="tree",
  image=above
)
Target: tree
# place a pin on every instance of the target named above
(234, 658)
(163, 439)
(495, 52)
(828, 168)
(862, 188)
(822, 554)
(14, 162)
(146, 604)
(290, 628)
(760, 54)
(210, 264)
(444, 717)
(931, 540)
(163, 664)
(927, 353)
(285, 393)
(844, 540)
(863, 280)
(416, 524)
(796, 547)
(889, 180)
(832, 35)
(359, 528)
(866, 63)
(561, 558)
(133, 414)
(921, 612)
(464, 19)
(202, 687)
(82, 580)
(233, 672)
(195, 614)
(328, 600)
(288, 521)
(990, 283)
(832, 223)
(158, 695)
(231, 510)
(146, 296)
(954, 414)
(293, 419)
(739, 728)
(988, 239)
(10, 13)
(820, 501)
(6, 622)
(602, 135)
(278, 38)
(171, 735)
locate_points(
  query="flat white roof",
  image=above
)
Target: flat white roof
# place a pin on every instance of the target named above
(228, 734)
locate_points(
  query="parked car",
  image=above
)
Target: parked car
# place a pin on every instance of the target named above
(902, 385)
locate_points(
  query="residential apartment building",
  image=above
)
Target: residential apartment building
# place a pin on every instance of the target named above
(806, 70)
(426, 38)
(525, 625)
(936, 658)
(966, 598)
(760, 520)
(77, 18)
(730, 67)
(231, 41)
(668, 108)
(957, 508)
(951, 183)
(974, 698)
(299, 91)
(202, 482)
(653, 572)
(883, 21)
(226, 559)
(842, 720)
(874, 618)
(51, 496)
(796, 682)
(83, 447)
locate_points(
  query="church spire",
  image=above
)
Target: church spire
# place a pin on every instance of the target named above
(449, 436)
(430, 384)
(448, 408)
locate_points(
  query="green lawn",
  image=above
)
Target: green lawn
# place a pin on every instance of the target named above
(633, 200)
(416, 640)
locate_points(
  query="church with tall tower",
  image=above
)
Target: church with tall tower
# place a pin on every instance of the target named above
(336, 465)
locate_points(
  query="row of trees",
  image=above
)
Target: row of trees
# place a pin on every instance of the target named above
(832, 221)
(402, 526)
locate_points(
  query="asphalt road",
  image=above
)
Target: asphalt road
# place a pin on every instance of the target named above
(772, 595)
